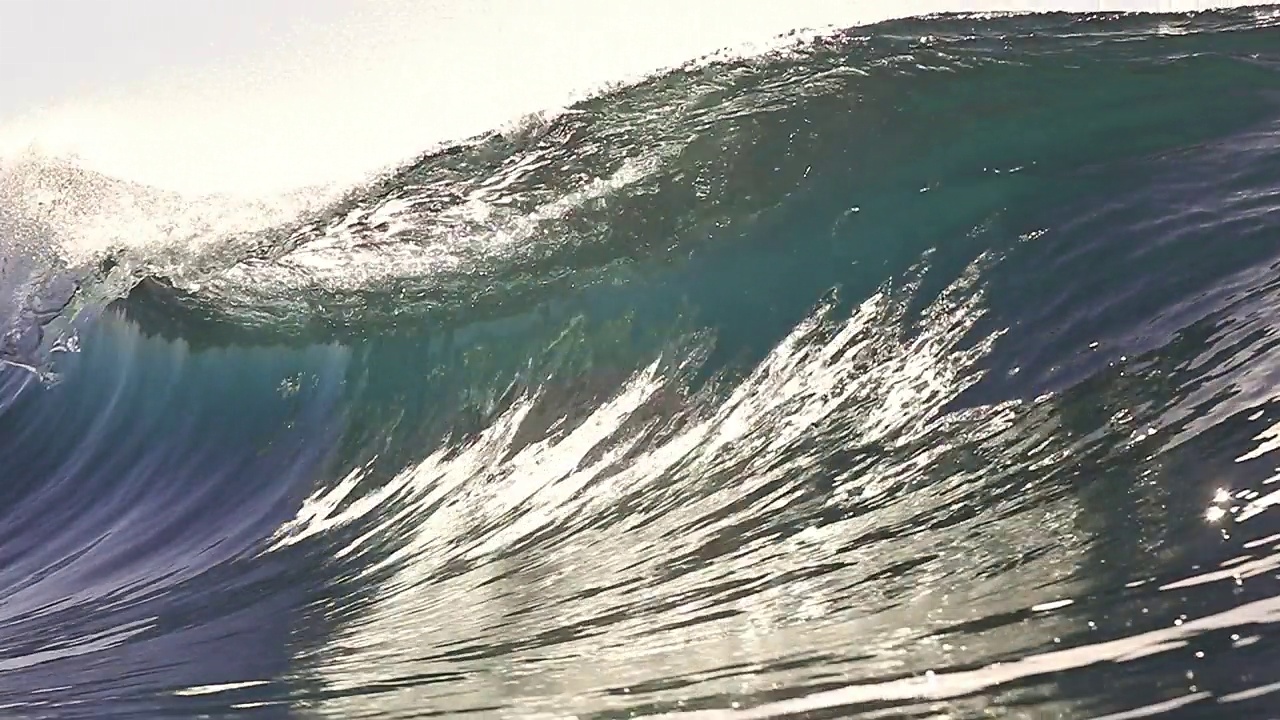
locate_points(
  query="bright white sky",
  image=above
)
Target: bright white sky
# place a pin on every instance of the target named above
(54, 48)
(254, 96)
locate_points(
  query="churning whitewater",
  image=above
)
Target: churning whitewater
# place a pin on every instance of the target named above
(923, 369)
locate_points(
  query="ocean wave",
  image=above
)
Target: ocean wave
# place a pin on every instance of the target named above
(917, 368)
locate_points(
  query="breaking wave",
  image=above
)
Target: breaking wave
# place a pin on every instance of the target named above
(921, 369)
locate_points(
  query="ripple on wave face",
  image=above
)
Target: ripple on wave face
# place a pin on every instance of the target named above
(822, 500)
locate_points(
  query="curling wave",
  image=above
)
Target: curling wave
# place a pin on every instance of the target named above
(918, 369)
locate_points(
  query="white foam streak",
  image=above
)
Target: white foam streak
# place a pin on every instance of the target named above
(483, 506)
(895, 389)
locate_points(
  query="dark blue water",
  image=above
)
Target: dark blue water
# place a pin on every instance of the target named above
(924, 370)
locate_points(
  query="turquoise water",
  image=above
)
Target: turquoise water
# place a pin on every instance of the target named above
(923, 370)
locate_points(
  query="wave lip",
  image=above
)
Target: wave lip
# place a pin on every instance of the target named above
(506, 214)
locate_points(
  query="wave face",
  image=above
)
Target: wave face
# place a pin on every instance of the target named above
(922, 370)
